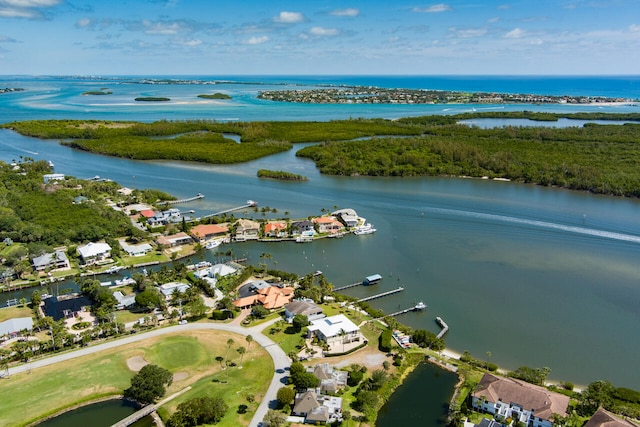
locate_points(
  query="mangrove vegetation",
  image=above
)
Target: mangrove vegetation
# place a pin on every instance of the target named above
(281, 175)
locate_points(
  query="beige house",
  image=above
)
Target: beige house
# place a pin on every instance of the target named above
(247, 229)
(603, 418)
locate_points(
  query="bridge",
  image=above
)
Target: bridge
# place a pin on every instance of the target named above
(147, 410)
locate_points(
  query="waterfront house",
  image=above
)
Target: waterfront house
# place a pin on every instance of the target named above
(299, 227)
(347, 216)
(47, 178)
(169, 288)
(94, 253)
(519, 400)
(124, 301)
(170, 216)
(65, 306)
(328, 224)
(136, 250)
(276, 229)
(147, 213)
(334, 330)
(271, 297)
(604, 418)
(317, 408)
(331, 379)
(309, 309)
(55, 260)
(14, 327)
(174, 240)
(247, 229)
(204, 232)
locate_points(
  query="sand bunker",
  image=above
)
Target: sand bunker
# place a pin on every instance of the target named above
(179, 376)
(136, 363)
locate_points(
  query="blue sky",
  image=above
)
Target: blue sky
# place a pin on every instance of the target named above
(520, 37)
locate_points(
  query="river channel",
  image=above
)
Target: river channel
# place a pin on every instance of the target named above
(536, 276)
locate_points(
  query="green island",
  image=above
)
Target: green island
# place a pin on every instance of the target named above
(11, 89)
(152, 99)
(97, 92)
(595, 158)
(376, 95)
(213, 361)
(281, 175)
(216, 95)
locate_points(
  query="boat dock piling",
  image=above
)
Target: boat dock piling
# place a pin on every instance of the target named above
(384, 294)
(443, 325)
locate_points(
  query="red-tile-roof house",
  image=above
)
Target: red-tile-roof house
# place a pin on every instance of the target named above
(328, 224)
(275, 229)
(203, 232)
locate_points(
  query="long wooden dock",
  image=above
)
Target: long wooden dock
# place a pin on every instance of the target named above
(384, 294)
(176, 202)
(353, 285)
(249, 204)
(417, 307)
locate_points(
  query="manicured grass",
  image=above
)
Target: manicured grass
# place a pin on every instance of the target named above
(125, 316)
(7, 313)
(47, 390)
(152, 256)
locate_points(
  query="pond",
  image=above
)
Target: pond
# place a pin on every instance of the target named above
(423, 399)
(100, 414)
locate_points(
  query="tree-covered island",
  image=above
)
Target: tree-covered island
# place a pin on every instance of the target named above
(281, 175)
(376, 95)
(11, 89)
(152, 99)
(216, 95)
(595, 158)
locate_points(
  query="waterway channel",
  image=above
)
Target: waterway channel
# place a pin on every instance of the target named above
(533, 275)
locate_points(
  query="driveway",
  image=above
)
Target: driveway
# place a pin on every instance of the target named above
(281, 361)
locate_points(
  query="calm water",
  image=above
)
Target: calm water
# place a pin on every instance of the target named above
(422, 400)
(537, 276)
(102, 414)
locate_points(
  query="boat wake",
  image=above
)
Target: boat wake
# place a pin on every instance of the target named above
(539, 224)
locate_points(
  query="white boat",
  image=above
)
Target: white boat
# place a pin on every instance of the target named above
(420, 306)
(213, 244)
(114, 269)
(365, 229)
(125, 281)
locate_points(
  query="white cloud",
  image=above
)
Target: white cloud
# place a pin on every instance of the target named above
(436, 8)
(30, 9)
(493, 20)
(83, 23)
(189, 42)
(162, 28)
(289, 17)
(322, 32)
(345, 12)
(516, 33)
(467, 33)
(634, 28)
(257, 40)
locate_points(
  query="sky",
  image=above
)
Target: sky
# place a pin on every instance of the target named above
(321, 37)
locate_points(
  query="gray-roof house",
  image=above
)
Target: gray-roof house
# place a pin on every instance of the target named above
(511, 398)
(58, 259)
(13, 327)
(299, 227)
(307, 308)
(331, 379)
(347, 216)
(317, 408)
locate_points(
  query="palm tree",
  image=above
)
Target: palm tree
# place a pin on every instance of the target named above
(242, 351)
(230, 342)
(249, 339)
(342, 334)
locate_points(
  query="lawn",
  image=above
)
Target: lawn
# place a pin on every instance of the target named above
(7, 313)
(191, 355)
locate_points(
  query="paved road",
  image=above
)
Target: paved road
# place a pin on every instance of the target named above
(281, 361)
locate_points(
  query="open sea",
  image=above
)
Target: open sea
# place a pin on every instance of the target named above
(536, 276)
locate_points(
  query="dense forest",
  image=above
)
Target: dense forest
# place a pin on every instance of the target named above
(32, 211)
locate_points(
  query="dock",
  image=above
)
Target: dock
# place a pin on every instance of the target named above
(353, 285)
(443, 325)
(369, 280)
(418, 307)
(176, 202)
(249, 204)
(384, 294)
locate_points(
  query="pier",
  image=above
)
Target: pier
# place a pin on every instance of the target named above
(418, 307)
(384, 294)
(353, 285)
(443, 325)
(369, 280)
(190, 199)
(249, 204)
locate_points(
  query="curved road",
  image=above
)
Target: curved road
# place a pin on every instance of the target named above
(280, 360)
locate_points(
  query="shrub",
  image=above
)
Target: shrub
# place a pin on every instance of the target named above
(384, 341)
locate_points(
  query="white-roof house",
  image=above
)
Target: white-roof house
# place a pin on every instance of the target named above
(335, 329)
(94, 252)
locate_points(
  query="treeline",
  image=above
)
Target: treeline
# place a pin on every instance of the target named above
(34, 212)
(282, 175)
(597, 158)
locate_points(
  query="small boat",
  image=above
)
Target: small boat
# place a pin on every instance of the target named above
(213, 244)
(252, 203)
(125, 281)
(304, 239)
(114, 269)
(365, 229)
(420, 306)
(317, 273)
